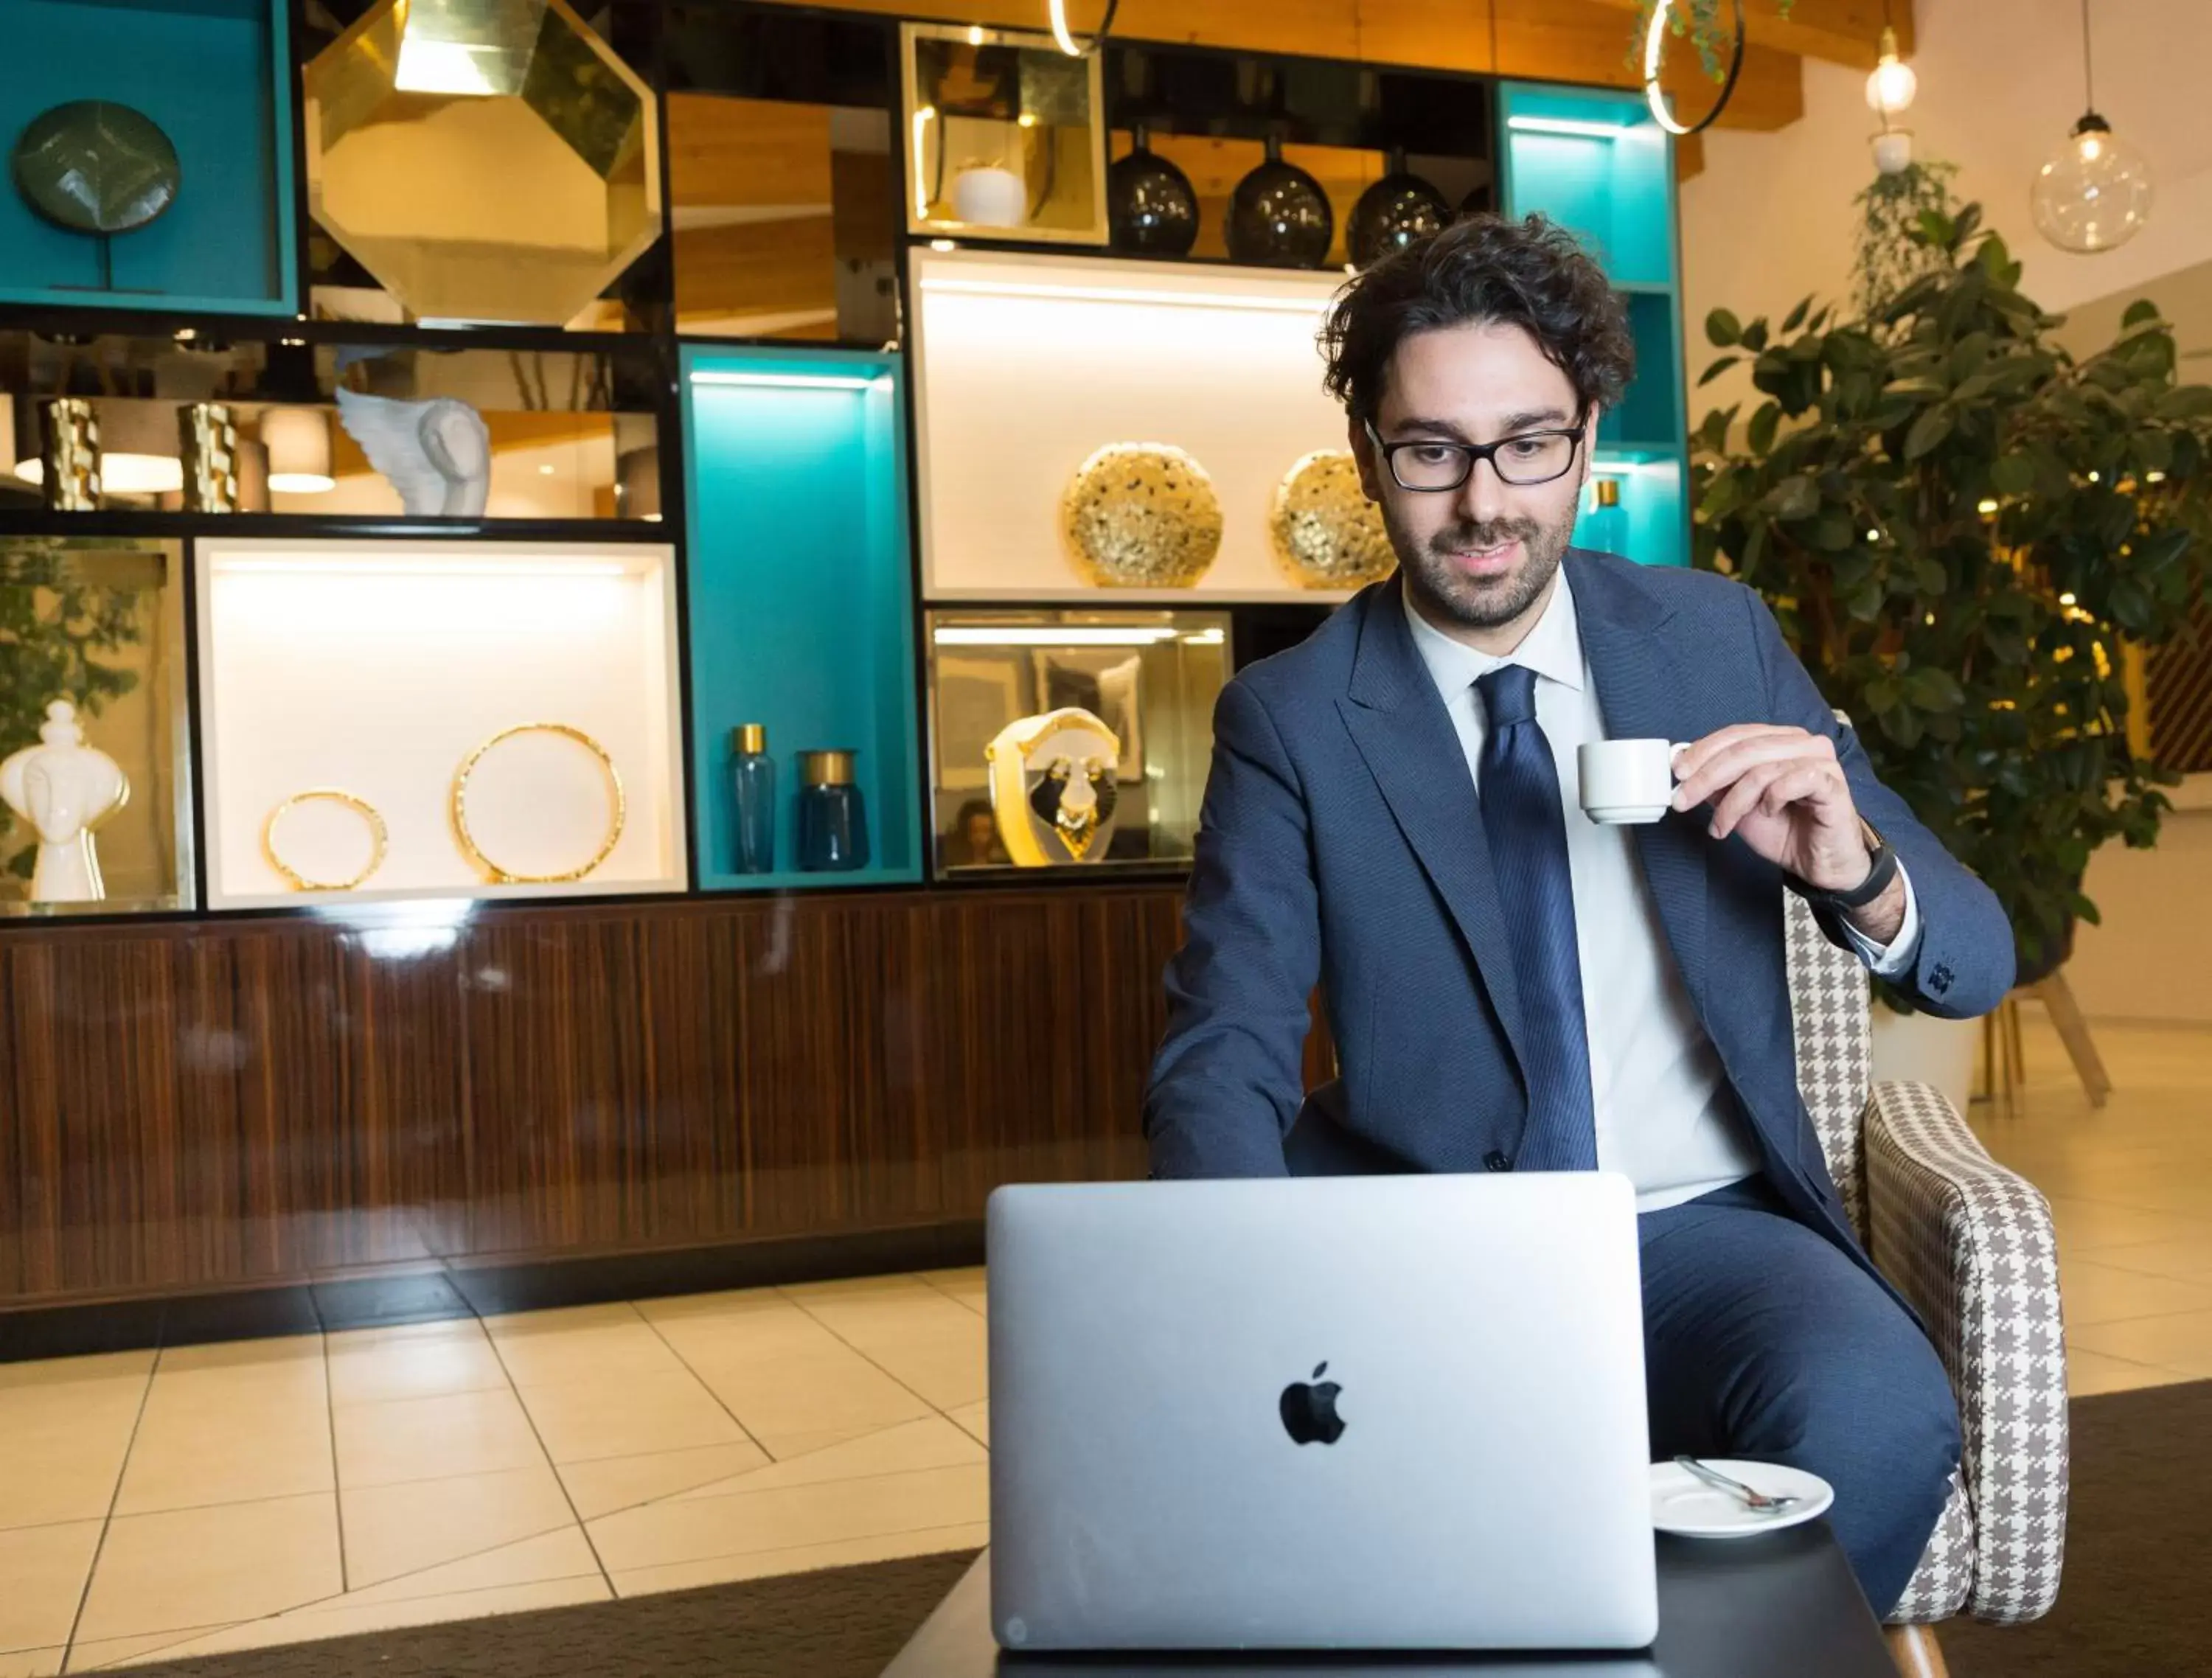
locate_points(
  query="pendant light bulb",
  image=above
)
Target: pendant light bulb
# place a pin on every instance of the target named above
(2094, 192)
(1891, 88)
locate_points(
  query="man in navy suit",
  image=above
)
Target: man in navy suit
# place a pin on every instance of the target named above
(1393, 813)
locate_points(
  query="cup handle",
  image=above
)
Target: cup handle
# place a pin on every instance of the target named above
(1675, 758)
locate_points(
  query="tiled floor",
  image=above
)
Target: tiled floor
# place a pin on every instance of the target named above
(224, 1497)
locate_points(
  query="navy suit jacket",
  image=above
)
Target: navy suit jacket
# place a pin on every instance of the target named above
(1342, 842)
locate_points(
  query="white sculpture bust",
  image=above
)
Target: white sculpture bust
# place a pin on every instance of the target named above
(64, 789)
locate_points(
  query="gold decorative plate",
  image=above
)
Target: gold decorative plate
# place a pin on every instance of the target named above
(1141, 515)
(379, 838)
(496, 872)
(1326, 533)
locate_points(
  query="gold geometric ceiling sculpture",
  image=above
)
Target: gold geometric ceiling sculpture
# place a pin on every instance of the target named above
(485, 159)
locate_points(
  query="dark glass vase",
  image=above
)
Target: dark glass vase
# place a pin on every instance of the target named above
(1150, 204)
(1400, 210)
(833, 822)
(1279, 216)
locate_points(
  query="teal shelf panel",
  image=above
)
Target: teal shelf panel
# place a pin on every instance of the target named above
(1593, 159)
(215, 75)
(1650, 524)
(800, 590)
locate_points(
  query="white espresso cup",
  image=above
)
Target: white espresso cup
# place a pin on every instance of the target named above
(1626, 781)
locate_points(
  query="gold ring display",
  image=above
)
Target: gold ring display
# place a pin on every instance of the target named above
(299, 882)
(500, 876)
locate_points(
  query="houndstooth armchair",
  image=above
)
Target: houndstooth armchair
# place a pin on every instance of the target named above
(1970, 1244)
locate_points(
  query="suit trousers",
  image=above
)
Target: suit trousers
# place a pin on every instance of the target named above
(1762, 1340)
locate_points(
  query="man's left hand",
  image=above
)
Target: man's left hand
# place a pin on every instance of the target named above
(1783, 793)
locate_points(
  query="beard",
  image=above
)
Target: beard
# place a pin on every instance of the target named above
(1480, 603)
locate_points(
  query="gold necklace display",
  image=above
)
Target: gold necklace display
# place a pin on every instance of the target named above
(379, 838)
(495, 872)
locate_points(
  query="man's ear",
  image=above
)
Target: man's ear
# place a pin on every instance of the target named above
(1370, 463)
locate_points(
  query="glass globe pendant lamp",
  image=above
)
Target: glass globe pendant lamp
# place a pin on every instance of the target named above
(2094, 192)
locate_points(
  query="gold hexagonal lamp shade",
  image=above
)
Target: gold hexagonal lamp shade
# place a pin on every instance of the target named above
(485, 159)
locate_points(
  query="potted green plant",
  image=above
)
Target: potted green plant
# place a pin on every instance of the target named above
(1961, 527)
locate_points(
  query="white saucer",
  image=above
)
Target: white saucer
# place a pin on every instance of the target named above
(1683, 1504)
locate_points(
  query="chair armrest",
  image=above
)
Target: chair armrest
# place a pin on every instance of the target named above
(1970, 1244)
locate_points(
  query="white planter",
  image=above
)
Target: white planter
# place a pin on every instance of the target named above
(1922, 1048)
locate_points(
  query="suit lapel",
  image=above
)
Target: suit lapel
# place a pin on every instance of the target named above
(1642, 695)
(1399, 726)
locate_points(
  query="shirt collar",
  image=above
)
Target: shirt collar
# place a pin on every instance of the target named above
(1552, 648)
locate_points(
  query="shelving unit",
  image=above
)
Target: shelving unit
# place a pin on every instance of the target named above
(801, 605)
(820, 487)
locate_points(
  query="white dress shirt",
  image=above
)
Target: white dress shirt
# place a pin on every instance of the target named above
(1665, 1115)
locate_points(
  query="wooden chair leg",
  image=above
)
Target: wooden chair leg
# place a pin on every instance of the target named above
(1915, 1651)
(2057, 996)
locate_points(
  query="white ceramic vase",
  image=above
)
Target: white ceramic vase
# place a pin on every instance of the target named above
(1924, 1050)
(985, 195)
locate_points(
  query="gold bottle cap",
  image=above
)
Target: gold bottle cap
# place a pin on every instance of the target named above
(826, 768)
(750, 737)
(1607, 491)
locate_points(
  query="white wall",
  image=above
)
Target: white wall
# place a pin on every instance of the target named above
(1770, 218)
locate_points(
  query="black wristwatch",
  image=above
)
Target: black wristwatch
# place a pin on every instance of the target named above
(1880, 872)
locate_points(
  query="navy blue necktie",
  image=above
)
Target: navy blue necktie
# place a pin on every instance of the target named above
(1528, 832)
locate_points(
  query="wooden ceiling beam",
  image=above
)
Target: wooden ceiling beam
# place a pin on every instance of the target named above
(1841, 32)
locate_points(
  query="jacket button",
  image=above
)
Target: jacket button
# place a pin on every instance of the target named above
(1496, 1161)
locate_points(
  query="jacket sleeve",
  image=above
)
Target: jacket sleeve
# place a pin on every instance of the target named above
(1227, 1084)
(1964, 966)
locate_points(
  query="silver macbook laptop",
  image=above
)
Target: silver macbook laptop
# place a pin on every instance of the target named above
(1324, 1413)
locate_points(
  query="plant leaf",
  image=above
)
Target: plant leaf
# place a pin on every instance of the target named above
(1718, 368)
(1763, 426)
(1722, 328)
(1933, 426)
(1796, 316)
(2012, 474)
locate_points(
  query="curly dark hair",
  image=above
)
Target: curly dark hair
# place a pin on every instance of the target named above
(1531, 274)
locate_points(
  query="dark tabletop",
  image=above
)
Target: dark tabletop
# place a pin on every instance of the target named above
(1781, 1606)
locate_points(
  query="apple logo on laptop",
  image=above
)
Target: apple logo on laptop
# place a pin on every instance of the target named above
(1310, 1409)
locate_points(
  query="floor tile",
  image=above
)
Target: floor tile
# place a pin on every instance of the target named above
(967, 1287)
(43, 1570)
(106, 1654)
(2089, 1373)
(2089, 1226)
(694, 1530)
(403, 1529)
(976, 1419)
(592, 1343)
(562, 1554)
(631, 1417)
(77, 1371)
(2091, 1292)
(903, 1307)
(184, 1459)
(2187, 1260)
(815, 1393)
(434, 1439)
(31, 1663)
(802, 1559)
(193, 1567)
(787, 1447)
(931, 1442)
(2182, 1342)
(948, 1365)
(746, 1327)
(343, 1621)
(621, 1482)
(421, 1360)
(64, 1431)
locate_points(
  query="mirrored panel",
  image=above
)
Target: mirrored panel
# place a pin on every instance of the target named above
(478, 161)
(1006, 136)
(95, 772)
(1071, 738)
(119, 425)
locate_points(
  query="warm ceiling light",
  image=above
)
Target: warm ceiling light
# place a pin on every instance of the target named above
(2095, 193)
(1890, 88)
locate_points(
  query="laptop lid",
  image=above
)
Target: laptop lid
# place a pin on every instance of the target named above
(1359, 1413)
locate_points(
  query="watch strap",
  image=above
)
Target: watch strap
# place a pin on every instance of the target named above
(1880, 872)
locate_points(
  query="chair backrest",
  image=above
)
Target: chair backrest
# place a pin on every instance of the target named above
(1829, 1005)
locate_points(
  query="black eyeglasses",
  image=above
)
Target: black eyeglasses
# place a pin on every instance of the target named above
(1430, 464)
